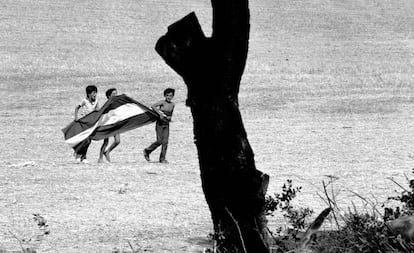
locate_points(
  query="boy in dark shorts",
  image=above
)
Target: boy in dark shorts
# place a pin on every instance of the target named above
(165, 109)
(86, 106)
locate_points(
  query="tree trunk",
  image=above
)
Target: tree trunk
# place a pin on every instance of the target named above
(212, 69)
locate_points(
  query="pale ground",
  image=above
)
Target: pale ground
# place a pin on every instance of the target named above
(328, 90)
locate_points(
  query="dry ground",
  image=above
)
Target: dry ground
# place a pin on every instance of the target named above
(328, 90)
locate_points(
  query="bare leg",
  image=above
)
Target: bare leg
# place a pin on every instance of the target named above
(102, 152)
(77, 157)
(117, 140)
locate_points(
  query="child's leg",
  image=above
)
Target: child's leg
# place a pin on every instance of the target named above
(78, 149)
(164, 140)
(157, 143)
(117, 140)
(84, 148)
(102, 151)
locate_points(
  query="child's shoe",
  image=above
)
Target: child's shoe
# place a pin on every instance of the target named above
(146, 156)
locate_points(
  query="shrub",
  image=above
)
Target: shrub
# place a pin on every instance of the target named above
(285, 239)
(406, 199)
(359, 232)
(296, 217)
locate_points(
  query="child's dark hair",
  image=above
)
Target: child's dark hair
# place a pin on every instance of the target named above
(90, 89)
(169, 90)
(109, 92)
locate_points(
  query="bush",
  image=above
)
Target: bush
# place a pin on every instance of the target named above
(359, 232)
(362, 232)
(296, 217)
(285, 239)
(406, 199)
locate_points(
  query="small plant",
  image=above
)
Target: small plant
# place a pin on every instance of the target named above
(41, 223)
(218, 238)
(282, 201)
(285, 240)
(30, 243)
(406, 198)
(123, 189)
(365, 232)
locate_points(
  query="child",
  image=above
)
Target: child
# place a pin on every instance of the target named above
(117, 138)
(88, 105)
(165, 109)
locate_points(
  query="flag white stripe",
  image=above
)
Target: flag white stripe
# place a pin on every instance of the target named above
(121, 113)
(81, 136)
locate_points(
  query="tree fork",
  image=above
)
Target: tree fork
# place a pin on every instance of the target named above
(212, 68)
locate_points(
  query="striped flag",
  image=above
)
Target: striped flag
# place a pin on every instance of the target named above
(118, 115)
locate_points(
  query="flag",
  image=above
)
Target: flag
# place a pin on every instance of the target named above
(118, 115)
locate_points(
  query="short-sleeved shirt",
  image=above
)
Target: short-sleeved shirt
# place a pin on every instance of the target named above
(87, 107)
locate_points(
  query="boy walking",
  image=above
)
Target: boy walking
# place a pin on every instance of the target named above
(86, 106)
(165, 109)
(117, 137)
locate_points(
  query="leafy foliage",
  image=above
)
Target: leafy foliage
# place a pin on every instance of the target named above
(359, 232)
(406, 198)
(283, 202)
(296, 217)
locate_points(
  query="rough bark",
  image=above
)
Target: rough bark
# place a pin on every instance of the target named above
(212, 69)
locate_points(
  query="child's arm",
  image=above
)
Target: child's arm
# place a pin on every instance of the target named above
(76, 112)
(156, 107)
(77, 107)
(172, 110)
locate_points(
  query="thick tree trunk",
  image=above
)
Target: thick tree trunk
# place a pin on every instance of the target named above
(212, 69)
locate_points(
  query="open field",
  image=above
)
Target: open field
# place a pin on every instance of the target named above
(328, 90)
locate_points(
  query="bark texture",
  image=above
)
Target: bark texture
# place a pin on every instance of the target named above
(212, 69)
